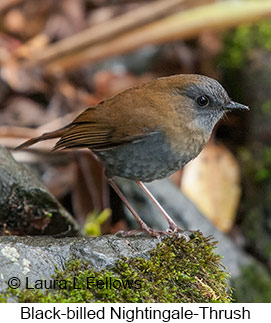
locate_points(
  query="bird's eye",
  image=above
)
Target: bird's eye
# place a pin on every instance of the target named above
(202, 100)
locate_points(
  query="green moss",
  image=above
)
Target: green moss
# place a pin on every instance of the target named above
(176, 271)
(239, 42)
(3, 297)
(93, 225)
(253, 285)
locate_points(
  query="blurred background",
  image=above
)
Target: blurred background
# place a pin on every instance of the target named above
(60, 57)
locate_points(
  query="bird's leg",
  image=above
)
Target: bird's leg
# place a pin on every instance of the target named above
(172, 225)
(143, 226)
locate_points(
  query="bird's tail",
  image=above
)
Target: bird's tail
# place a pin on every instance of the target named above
(48, 135)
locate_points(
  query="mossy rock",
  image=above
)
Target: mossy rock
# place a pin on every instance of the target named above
(26, 206)
(177, 270)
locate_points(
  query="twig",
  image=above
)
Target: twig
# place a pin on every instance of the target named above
(12, 137)
(7, 4)
(181, 25)
(12, 143)
(137, 17)
(15, 132)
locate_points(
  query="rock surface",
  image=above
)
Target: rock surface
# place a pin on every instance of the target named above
(26, 206)
(36, 257)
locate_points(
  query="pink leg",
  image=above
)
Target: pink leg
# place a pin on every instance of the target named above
(172, 225)
(143, 226)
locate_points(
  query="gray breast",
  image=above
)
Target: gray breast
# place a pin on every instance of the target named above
(144, 160)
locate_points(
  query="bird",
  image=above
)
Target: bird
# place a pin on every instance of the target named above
(148, 132)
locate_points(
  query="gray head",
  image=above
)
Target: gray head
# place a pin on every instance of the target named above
(209, 101)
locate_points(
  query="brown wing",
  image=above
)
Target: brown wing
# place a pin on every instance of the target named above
(91, 130)
(48, 135)
(127, 117)
(84, 135)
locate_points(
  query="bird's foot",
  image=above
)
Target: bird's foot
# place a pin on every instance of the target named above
(178, 233)
(152, 232)
(173, 227)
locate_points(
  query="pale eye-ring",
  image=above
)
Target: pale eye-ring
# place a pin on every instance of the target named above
(202, 100)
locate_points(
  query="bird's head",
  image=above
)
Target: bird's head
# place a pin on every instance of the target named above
(206, 100)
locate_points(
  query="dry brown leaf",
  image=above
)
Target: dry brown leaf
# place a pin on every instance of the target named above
(21, 79)
(108, 83)
(212, 182)
(6, 4)
(183, 24)
(106, 30)
(24, 112)
(90, 193)
(59, 179)
(14, 21)
(35, 44)
(121, 225)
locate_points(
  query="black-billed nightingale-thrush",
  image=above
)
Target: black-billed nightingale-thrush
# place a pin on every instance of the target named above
(149, 131)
